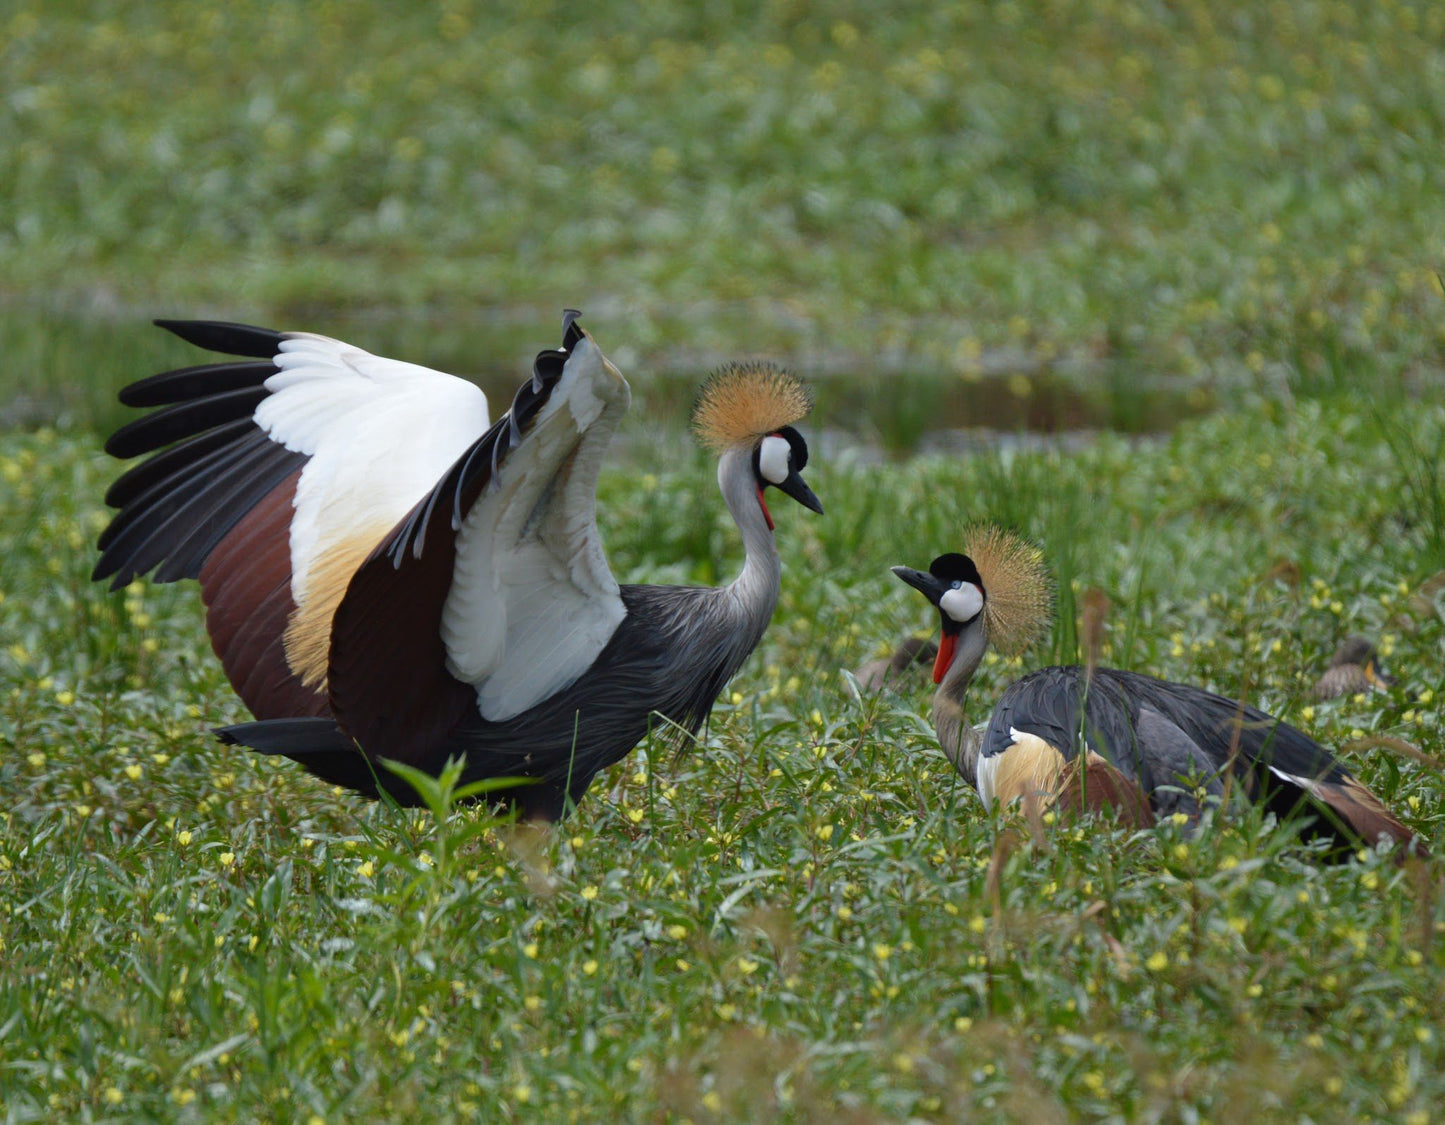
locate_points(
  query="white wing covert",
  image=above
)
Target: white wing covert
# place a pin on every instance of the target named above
(379, 433)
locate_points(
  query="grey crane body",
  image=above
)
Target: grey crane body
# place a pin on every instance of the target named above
(660, 672)
(1143, 747)
(666, 664)
(389, 575)
(1173, 740)
(1136, 723)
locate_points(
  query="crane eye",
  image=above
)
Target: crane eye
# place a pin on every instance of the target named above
(957, 583)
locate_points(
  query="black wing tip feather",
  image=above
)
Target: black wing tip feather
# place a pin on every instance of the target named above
(178, 458)
(571, 333)
(183, 420)
(482, 461)
(202, 381)
(227, 337)
(173, 531)
(107, 568)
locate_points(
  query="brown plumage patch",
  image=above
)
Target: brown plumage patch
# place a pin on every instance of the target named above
(308, 633)
(1090, 784)
(389, 684)
(246, 586)
(1095, 612)
(1344, 679)
(1366, 815)
(1422, 601)
(1018, 591)
(743, 401)
(1353, 669)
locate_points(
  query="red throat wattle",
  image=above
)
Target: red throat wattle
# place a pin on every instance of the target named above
(946, 644)
(763, 504)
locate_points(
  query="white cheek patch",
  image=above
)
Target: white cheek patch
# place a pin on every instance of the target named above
(773, 457)
(963, 604)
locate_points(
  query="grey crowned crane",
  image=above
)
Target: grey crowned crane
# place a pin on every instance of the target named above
(1105, 739)
(1354, 669)
(388, 574)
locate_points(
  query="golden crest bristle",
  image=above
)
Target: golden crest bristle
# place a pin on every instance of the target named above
(744, 401)
(1018, 589)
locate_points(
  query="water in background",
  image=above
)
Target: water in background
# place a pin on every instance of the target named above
(63, 368)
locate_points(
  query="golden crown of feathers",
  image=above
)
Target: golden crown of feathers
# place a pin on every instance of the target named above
(743, 401)
(1018, 590)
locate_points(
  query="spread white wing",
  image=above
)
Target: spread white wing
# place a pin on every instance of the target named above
(379, 434)
(497, 579)
(271, 480)
(348, 512)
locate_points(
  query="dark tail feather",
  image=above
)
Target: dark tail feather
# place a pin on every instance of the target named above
(293, 738)
(321, 748)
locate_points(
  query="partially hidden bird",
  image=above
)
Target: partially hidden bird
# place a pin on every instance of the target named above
(1354, 669)
(388, 574)
(1103, 739)
(896, 671)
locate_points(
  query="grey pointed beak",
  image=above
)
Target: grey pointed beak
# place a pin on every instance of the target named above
(927, 585)
(798, 489)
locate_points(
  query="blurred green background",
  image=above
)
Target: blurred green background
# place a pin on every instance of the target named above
(1049, 215)
(994, 217)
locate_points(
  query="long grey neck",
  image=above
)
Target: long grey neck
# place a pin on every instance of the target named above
(960, 742)
(753, 594)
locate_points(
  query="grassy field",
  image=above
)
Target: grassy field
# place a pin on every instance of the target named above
(1114, 214)
(805, 914)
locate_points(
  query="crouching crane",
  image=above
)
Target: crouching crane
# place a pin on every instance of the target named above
(388, 575)
(1105, 739)
(896, 671)
(1354, 669)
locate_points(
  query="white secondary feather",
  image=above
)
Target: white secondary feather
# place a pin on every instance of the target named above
(380, 433)
(987, 767)
(533, 601)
